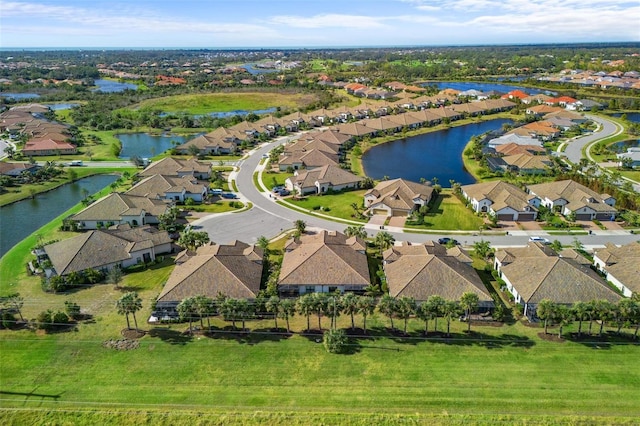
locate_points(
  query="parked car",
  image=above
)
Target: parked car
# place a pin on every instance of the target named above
(215, 191)
(284, 192)
(539, 240)
(446, 240)
(277, 189)
(229, 195)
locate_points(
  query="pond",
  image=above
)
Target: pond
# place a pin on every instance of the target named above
(20, 219)
(61, 106)
(622, 146)
(144, 145)
(19, 96)
(238, 112)
(252, 69)
(484, 87)
(110, 86)
(631, 116)
(436, 154)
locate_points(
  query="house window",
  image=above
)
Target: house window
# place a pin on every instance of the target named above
(310, 289)
(146, 257)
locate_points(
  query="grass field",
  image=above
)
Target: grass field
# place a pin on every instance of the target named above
(223, 102)
(338, 205)
(448, 212)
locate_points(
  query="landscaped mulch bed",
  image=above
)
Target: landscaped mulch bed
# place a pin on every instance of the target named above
(132, 334)
(551, 337)
(121, 344)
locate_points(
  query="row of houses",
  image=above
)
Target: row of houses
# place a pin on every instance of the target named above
(508, 202)
(43, 137)
(601, 79)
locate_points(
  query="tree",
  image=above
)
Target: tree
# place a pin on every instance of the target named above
(602, 311)
(334, 307)
(244, 310)
(556, 245)
(546, 311)
(469, 302)
(424, 313)
(187, 309)
(384, 240)
(450, 310)
(581, 313)
(350, 306)
(387, 307)
(14, 303)
(435, 304)
(563, 316)
(334, 341)
(366, 307)
(191, 239)
(229, 307)
(10, 151)
(405, 307)
(482, 248)
(129, 303)
(114, 276)
(300, 226)
(273, 306)
(263, 243)
(168, 220)
(626, 312)
(319, 301)
(72, 310)
(304, 306)
(356, 231)
(288, 310)
(202, 306)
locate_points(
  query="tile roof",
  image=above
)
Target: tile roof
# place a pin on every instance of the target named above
(400, 193)
(501, 194)
(329, 174)
(170, 166)
(115, 205)
(576, 194)
(157, 186)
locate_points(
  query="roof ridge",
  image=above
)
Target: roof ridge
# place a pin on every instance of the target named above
(89, 235)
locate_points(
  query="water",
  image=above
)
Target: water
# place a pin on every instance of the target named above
(631, 116)
(110, 86)
(436, 154)
(484, 87)
(620, 147)
(237, 112)
(255, 71)
(19, 220)
(19, 96)
(145, 145)
(61, 106)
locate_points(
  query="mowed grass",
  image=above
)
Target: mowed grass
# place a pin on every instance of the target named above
(336, 205)
(449, 213)
(224, 102)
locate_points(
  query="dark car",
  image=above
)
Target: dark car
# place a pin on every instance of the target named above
(284, 192)
(277, 189)
(447, 240)
(229, 195)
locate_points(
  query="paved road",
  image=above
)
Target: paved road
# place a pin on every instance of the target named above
(270, 219)
(608, 128)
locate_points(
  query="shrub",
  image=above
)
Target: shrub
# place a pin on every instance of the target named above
(44, 320)
(334, 341)
(72, 309)
(8, 320)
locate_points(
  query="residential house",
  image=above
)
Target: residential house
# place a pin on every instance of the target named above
(397, 197)
(321, 180)
(311, 159)
(620, 265)
(503, 200)
(542, 130)
(17, 169)
(177, 189)
(47, 146)
(515, 149)
(104, 249)
(208, 145)
(541, 274)
(323, 263)
(527, 164)
(511, 138)
(233, 270)
(570, 197)
(631, 158)
(422, 272)
(169, 166)
(117, 208)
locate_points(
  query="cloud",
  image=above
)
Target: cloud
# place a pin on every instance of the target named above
(329, 21)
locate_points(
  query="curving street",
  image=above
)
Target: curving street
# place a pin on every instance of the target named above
(269, 219)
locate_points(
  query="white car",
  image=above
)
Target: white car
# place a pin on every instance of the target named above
(539, 240)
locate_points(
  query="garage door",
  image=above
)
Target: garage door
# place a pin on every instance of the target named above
(508, 217)
(522, 217)
(399, 213)
(380, 212)
(603, 216)
(583, 216)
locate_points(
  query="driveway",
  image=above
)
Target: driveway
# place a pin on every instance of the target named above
(377, 220)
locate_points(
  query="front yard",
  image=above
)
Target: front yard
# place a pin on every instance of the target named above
(336, 205)
(447, 212)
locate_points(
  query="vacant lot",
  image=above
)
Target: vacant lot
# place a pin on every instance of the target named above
(224, 102)
(447, 212)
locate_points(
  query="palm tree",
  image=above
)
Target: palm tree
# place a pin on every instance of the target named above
(121, 307)
(186, 309)
(366, 307)
(304, 306)
(273, 306)
(424, 313)
(435, 304)
(591, 313)
(288, 309)
(244, 309)
(300, 226)
(602, 310)
(129, 303)
(450, 309)
(563, 316)
(581, 313)
(263, 243)
(405, 307)
(356, 231)
(334, 308)
(202, 306)
(387, 306)
(545, 311)
(384, 240)
(319, 301)
(230, 310)
(469, 302)
(350, 306)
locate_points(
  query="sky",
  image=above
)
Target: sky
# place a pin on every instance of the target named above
(311, 23)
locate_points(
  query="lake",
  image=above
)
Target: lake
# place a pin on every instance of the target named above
(19, 96)
(19, 220)
(253, 70)
(484, 87)
(631, 116)
(110, 86)
(622, 146)
(436, 154)
(61, 106)
(145, 145)
(237, 112)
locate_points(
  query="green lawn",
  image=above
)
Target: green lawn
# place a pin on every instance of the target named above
(217, 207)
(449, 213)
(271, 179)
(249, 101)
(631, 174)
(338, 205)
